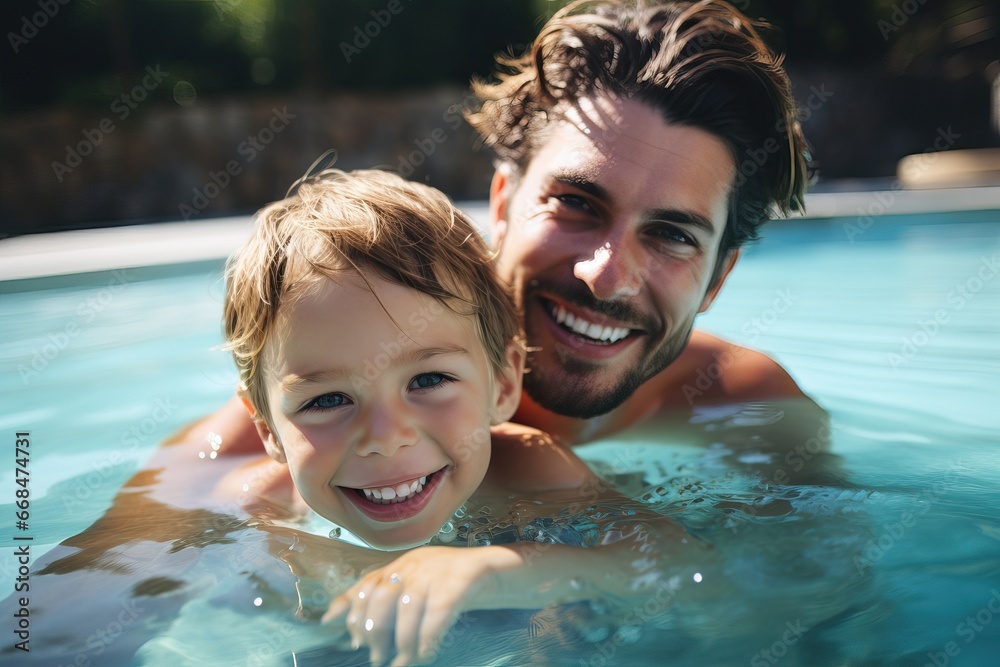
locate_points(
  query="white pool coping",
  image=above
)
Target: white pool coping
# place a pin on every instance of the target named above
(133, 246)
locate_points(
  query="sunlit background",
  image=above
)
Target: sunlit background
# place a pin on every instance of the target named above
(123, 111)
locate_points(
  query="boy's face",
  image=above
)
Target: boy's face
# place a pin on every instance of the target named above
(609, 240)
(369, 410)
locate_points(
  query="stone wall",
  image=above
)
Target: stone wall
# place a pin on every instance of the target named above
(65, 169)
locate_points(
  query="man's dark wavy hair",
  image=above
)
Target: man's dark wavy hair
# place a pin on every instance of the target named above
(702, 64)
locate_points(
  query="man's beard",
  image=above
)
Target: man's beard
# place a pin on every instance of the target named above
(571, 390)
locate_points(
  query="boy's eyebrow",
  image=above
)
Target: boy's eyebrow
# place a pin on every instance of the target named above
(662, 214)
(294, 382)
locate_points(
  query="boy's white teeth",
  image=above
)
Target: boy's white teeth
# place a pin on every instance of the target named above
(580, 326)
(388, 495)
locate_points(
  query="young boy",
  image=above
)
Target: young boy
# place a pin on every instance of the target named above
(377, 349)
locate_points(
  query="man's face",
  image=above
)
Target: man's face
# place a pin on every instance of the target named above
(609, 240)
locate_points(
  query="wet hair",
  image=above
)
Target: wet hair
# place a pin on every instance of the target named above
(701, 64)
(359, 222)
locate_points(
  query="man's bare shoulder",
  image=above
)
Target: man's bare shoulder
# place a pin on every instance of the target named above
(527, 460)
(714, 371)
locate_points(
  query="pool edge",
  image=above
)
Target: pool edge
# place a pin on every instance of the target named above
(157, 244)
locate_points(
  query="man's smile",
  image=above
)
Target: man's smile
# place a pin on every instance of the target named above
(591, 327)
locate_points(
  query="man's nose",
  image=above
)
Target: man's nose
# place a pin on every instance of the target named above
(611, 272)
(386, 427)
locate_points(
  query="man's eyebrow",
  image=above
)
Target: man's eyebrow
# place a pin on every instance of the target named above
(294, 382)
(582, 183)
(679, 216)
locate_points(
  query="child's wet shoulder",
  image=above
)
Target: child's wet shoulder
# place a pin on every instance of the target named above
(525, 459)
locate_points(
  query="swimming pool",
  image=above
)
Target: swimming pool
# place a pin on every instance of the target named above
(884, 550)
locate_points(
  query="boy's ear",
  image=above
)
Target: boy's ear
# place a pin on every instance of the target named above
(499, 198)
(267, 436)
(507, 385)
(727, 265)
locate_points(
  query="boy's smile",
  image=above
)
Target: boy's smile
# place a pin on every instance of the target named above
(381, 407)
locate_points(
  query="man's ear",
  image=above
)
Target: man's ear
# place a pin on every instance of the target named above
(507, 385)
(267, 436)
(500, 191)
(713, 291)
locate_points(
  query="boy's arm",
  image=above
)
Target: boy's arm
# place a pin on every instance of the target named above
(233, 426)
(409, 605)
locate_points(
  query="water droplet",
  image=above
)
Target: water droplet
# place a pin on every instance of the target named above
(369, 624)
(258, 602)
(335, 532)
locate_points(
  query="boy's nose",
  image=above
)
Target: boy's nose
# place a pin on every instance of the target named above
(386, 429)
(610, 272)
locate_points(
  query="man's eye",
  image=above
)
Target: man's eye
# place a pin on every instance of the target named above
(429, 381)
(575, 202)
(671, 234)
(326, 402)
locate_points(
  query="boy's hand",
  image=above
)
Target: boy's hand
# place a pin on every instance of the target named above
(411, 603)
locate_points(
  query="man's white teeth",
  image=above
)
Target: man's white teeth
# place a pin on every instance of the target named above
(389, 495)
(584, 328)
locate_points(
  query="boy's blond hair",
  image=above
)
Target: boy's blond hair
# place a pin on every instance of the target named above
(408, 233)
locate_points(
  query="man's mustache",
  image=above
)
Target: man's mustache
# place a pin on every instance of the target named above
(576, 293)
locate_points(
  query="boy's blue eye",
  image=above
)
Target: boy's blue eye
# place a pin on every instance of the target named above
(429, 380)
(326, 402)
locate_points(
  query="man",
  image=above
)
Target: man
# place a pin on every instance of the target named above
(640, 145)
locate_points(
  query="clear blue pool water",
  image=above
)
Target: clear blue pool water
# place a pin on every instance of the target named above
(887, 550)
